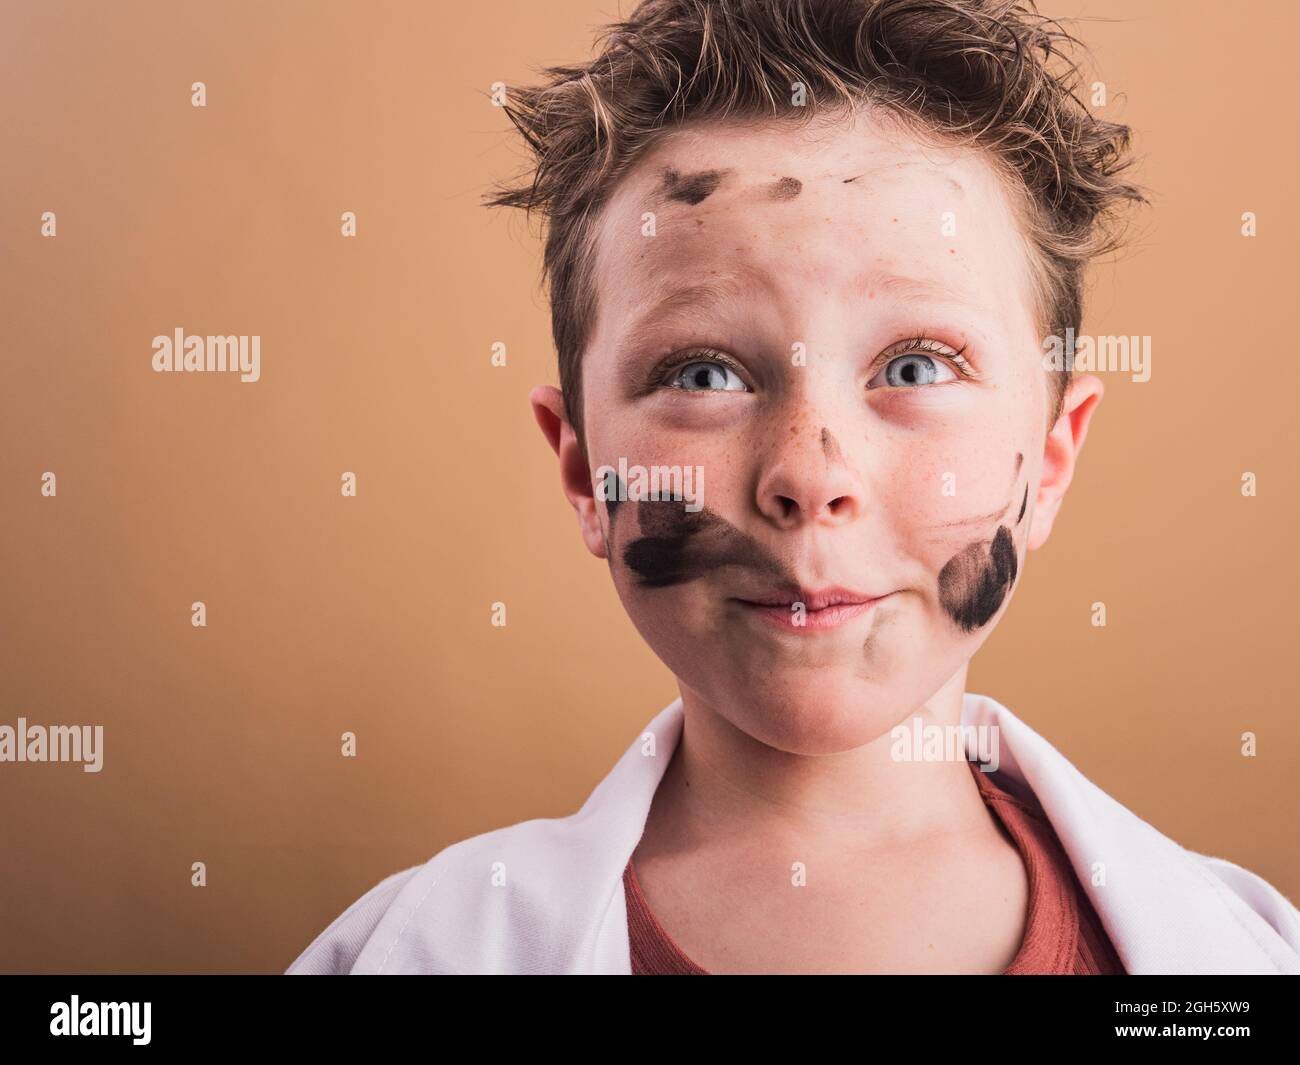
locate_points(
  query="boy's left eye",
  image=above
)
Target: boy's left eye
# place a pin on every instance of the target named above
(910, 371)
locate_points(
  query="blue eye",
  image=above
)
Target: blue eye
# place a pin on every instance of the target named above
(909, 371)
(707, 376)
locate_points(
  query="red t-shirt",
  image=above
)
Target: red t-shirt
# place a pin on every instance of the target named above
(1063, 935)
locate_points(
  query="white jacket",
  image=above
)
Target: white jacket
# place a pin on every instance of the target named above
(546, 895)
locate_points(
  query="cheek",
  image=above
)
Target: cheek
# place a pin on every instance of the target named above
(957, 518)
(976, 581)
(936, 503)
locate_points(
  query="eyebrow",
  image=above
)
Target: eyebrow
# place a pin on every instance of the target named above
(699, 297)
(914, 288)
(702, 297)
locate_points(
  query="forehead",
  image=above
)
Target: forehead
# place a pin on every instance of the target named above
(844, 208)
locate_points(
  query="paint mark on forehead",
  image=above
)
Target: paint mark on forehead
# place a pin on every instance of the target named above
(786, 188)
(691, 188)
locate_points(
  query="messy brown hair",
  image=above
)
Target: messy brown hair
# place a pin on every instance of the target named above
(989, 74)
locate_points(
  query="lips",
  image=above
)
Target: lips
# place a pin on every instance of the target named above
(824, 608)
(813, 600)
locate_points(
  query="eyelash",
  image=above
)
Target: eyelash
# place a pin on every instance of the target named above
(925, 345)
(918, 344)
(663, 370)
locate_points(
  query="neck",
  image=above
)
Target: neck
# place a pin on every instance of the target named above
(724, 788)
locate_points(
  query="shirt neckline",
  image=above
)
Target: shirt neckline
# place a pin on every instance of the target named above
(1051, 936)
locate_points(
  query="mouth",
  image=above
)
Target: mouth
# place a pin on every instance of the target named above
(811, 610)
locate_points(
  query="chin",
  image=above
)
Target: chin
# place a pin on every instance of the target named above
(813, 712)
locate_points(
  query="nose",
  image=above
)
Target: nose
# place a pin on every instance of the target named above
(809, 481)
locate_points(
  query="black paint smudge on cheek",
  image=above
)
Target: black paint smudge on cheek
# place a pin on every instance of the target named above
(691, 188)
(974, 583)
(660, 558)
(785, 189)
(678, 546)
(615, 490)
(1023, 502)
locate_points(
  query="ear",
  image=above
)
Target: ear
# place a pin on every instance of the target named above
(575, 476)
(1061, 452)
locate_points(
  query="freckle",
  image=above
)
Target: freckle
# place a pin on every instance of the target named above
(952, 251)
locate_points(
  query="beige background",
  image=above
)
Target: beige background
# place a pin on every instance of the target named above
(371, 614)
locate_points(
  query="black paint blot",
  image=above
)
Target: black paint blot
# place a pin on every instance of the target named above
(691, 188)
(1022, 505)
(677, 546)
(830, 446)
(612, 501)
(974, 583)
(614, 496)
(785, 189)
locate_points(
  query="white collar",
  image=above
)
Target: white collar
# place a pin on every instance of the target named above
(546, 895)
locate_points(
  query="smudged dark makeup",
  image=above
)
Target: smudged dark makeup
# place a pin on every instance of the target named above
(830, 446)
(691, 188)
(787, 188)
(975, 582)
(677, 546)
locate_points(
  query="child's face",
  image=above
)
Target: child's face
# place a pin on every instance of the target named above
(765, 330)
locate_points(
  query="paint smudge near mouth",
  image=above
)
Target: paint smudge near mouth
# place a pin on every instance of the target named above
(677, 546)
(976, 580)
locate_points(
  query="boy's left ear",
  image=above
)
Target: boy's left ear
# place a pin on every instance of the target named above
(1061, 452)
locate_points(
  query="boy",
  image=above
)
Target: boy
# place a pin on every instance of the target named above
(813, 250)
